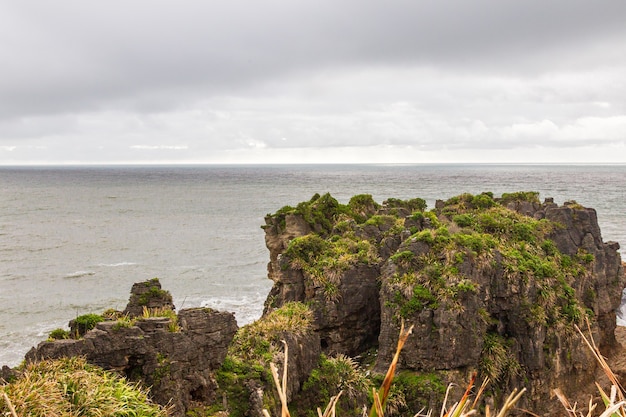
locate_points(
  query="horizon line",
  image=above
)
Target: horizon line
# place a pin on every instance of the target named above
(198, 164)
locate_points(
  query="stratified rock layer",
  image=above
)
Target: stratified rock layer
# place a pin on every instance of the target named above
(150, 295)
(178, 363)
(489, 284)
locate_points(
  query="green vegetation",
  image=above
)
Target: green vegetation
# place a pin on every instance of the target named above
(253, 342)
(126, 321)
(254, 347)
(319, 212)
(497, 362)
(87, 322)
(529, 196)
(72, 387)
(342, 235)
(414, 204)
(81, 325)
(412, 391)
(333, 375)
(154, 292)
(361, 206)
(59, 334)
(324, 212)
(163, 312)
(467, 228)
(482, 229)
(324, 261)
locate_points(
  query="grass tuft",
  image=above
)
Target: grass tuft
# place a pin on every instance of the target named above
(72, 387)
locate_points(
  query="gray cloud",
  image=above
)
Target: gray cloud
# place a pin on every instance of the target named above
(160, 79)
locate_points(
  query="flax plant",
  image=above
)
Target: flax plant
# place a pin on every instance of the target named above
(380, 397)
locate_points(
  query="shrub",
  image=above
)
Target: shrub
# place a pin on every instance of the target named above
(306, 248)
(483, 201)
(59, 334)
(335, 374)
(360, 206)
(422, 297)
(496, 361)
(414, 204)
(82, 324)
(463, 220)
(530, 196)
(413, 391)
(403, 258)
(253, 341)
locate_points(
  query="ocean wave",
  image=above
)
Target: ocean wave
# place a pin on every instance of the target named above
(247, 308)
(118, 264)
(80, 274)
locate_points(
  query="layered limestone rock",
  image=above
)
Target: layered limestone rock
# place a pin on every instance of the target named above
(148, 295)
(494, 285)
(176, 356)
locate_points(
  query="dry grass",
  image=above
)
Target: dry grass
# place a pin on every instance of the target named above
(163, 312)
(254, 341)
(614, 402)
(72, 387)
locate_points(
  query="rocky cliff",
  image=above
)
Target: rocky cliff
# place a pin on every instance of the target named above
(494, 285)
(175, 355)
(195, 362)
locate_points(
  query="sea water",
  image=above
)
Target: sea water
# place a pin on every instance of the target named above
(73, 240)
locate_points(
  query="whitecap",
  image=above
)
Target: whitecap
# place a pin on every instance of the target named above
(246, 308)
(118, 264)
(79, 274)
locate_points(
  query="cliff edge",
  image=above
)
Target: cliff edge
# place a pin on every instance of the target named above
(494, 285)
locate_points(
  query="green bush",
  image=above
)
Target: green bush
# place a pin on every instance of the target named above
(84, 323)
(59, 334)
(483, 201)
(332, 375)
(529, 196)
(463, 220)
(307, 248)
(496, 360)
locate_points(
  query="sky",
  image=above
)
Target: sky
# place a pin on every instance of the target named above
(302, 81)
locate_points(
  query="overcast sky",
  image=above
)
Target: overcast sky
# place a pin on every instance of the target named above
(284, 81)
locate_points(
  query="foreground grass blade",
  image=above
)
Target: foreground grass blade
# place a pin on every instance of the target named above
(9, 404)
(383, 392)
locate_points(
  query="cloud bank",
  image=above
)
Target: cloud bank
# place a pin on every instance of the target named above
(277, 81)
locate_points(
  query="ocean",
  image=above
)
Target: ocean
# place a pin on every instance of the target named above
(73, 240)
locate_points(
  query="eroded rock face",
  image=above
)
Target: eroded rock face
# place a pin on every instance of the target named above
(177, 365)
(494, 285)
(150, 295)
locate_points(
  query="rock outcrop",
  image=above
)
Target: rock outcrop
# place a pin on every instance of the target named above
(176, 356)
(491, 285)
(150, 295)
(494, 285)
